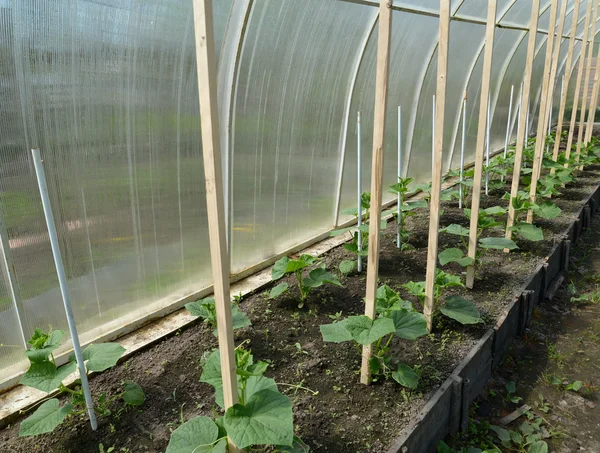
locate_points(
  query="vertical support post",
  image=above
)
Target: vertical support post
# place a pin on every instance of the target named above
(432, 133)
(206, 63)
(11, 279)
(359, 211)
(533, 24)
(586, 85)
(565, 86)
(487, 147)
(507, 138)
(400, 196)
(62, 281)
(89, 243)
(462, 151)
(549, 126)
(482, 132)
(436, 180)
(580, 69)
(594, 102)
(527, 129)
(381, 87)
(541, 126)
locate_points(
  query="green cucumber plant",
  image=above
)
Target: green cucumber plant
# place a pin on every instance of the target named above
(395, 317)
(206, 310)
(317, 277)
(348, 266)
(487, 220)
(407, 209)
(455, 307)
(262, 416)
(43, 374)
(521, 204)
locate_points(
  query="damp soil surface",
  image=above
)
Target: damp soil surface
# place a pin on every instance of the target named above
(333, 412)
(555, 367)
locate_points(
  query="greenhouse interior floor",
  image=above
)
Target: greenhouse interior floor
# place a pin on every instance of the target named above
(560, 352)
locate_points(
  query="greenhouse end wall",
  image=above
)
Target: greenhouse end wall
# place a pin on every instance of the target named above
(108, 92)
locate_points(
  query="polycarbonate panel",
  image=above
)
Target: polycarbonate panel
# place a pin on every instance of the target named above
(289, 119)
(478, 9)
(412, 45)
(520, 13)
(108, 92)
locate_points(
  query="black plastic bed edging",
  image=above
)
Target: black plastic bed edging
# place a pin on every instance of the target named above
(447, 412)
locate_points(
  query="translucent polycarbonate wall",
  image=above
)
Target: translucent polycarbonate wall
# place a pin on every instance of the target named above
(108, 91)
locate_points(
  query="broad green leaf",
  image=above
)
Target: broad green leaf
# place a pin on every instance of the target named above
(575, 386)
(416, 204)
(495, 210)
(295, 265)
(455, 255)
(449, 195)
(45, 376)
(335, 332)
(387, 299)
(347, 266)
(547, 210)
(349, 211)
(497, 244)
(511, 387)
(406, 376)
(265, 419)
(39, 338)
(102, 356)
(502, 434)
(198, 435)
(40, 355)
(530, 232)
(133, 394)
(297, 447)
(341, 231)
(455, 229)
(54, 338)
(538, 447)
(461, 310)
(200, 307)
(279, 268)
(409, 325)
(415, 288)
(319, 276)
(278, 290)
(366, 331)
(45, 419)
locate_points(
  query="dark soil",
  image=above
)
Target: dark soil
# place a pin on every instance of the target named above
(560, 348)
(345, 416)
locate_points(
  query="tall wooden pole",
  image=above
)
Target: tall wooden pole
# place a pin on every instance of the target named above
(383, 62)
(565, 88)
(436, 180)
(533, 24)
(481, 135)
(580, 69)
(594, 103)
(586, 85)
(545, 102)
(206, 64)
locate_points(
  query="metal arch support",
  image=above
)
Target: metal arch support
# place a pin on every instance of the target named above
(227, 74)
(346, 120)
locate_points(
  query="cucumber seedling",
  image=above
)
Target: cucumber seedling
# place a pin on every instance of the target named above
(206, 310)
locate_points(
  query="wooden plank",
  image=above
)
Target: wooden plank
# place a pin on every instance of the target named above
(436, 179)
(580, 68)
(565, 89)
(481, 134)
(535, 10)
(206, 64)
(594, 103)
(383, 62)
(585, 91)
(545, 103)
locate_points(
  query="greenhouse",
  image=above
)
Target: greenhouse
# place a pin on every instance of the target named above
(246, 225)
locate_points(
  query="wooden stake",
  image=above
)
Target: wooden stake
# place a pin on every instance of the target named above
(481, 135)
(578, 83)
(565, 89)
(586, 84)
(206, 64)
(383, 61)
(540, 142)
(436, 178)
(594, 103)
(535, 11)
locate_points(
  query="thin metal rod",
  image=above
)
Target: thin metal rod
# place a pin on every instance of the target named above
(359, 210)
(62, 281)
(510, 105)
(89, 243)
(400, 197)
(462, 151)
(11, 278)
(487, 147)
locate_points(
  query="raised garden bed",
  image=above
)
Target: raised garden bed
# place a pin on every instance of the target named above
(455, 361)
